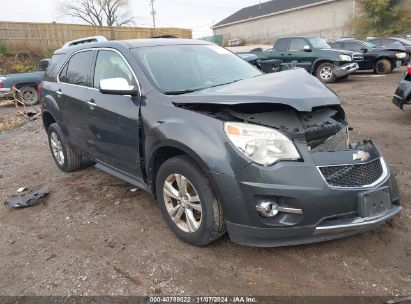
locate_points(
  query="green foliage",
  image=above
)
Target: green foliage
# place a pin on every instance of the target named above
(23, 66)
(4, 49)
(383, 18)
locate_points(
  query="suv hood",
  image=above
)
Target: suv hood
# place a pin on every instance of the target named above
(337, 52)
(295, 88)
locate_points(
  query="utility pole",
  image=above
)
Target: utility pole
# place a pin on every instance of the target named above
(153, 13)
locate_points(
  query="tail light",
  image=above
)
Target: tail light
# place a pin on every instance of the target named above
(1, 84)
(409, 68)
(39, 89)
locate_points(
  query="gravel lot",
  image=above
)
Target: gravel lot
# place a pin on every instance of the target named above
(93, 236)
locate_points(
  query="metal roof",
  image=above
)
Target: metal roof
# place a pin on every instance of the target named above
(267, 8)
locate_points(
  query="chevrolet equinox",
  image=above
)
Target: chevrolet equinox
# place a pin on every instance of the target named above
(221, 146)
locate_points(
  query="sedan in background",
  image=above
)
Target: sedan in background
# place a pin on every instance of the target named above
(380, 60)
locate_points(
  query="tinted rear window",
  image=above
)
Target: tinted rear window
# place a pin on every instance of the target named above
(76, 71)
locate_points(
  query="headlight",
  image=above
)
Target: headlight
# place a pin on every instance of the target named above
(263, 145)
(400, 55)
(345, 58)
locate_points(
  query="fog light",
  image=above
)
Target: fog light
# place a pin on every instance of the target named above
(267, 208)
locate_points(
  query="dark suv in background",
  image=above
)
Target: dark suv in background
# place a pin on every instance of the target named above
(219, 144)
(380, 60)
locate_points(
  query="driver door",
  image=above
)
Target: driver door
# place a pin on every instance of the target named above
(113, 124)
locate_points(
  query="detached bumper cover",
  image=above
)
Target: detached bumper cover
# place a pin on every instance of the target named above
(346, 69)
(329, 210)
(270, 237)
(402, 95)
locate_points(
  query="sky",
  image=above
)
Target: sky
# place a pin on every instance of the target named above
(193, 14)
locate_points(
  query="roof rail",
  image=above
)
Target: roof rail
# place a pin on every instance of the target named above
(85, 40)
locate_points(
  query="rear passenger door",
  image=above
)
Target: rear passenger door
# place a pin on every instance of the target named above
(72, 89)
(113, 120)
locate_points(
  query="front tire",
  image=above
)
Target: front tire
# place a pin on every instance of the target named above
(325, 73)
(66, 158)
(29, 96)
(383, 66)
(188, 203)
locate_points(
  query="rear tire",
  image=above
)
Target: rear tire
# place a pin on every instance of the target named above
(325, 73)
(66, 158)
(188, 203)
(29, 96)
(383, 66)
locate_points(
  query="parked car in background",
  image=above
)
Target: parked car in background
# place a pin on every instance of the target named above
(389, 41)
(403, 93)
(219, 144)
(267, 66)
(314, 55)
(380, 60)
(29, 84)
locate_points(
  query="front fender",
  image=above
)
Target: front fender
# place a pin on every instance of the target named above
(199, 136)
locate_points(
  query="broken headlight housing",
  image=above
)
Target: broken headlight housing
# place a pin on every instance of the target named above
(345, 58)
(263, 145)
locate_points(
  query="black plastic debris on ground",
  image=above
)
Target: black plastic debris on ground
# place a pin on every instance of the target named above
(27, 200)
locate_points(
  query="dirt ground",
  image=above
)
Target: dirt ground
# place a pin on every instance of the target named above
(93, 236)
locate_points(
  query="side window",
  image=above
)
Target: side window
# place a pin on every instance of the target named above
(110, 64)
(352, 46)
(76, 71)
(377, 42)
(297, 44)
(282, 44)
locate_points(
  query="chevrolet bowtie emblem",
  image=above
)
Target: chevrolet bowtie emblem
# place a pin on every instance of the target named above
(361, 155)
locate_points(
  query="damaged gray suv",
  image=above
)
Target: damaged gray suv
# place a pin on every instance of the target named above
(221, 146)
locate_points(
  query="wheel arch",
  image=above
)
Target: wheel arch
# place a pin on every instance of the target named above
(319, 62)
(48, 119)
(167, 150)
(26, 84)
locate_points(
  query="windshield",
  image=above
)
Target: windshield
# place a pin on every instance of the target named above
(319, 43)
(369, 44)
(179, 69)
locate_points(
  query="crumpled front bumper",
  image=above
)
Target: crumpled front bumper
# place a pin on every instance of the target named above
(402, 95)
(328, 211)
(346, 69)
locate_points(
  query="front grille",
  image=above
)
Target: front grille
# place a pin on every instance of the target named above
(352, 176)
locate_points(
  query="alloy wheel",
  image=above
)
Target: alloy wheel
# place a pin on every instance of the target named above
(182, 202)
(57, 148)
(326, 73)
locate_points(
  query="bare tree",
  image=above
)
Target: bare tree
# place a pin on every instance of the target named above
(98, 12)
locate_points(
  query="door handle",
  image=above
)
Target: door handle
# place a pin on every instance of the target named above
(91, 103)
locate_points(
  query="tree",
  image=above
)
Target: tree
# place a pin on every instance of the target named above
(98, 12)
(382, 18)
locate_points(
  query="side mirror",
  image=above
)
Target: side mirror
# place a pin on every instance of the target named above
(117, 86)
(44, 64)
(364, 50)
(307, 48)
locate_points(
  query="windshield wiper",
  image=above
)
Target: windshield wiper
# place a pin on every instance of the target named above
(181, 92)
